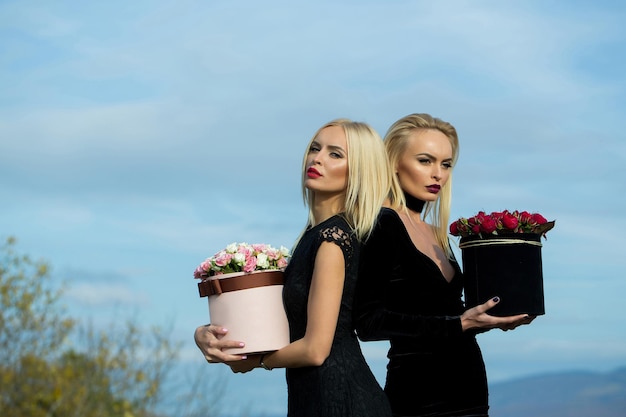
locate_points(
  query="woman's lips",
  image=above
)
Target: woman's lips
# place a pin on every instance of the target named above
(313, 173)
(434, 189)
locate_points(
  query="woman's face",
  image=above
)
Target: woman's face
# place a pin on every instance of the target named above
(426, 164)
(327, 162)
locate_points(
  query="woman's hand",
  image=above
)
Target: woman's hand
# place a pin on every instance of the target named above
(246, 365)
(477, 318)
(208, 338)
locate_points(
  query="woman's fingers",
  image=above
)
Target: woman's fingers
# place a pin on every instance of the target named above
(209, 340)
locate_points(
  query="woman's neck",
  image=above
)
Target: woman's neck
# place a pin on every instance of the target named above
(326, 207)
(413, 203)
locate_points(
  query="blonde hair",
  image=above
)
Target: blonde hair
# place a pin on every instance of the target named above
(369, 176)
(396, 141)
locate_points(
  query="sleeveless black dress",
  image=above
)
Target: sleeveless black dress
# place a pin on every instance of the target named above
(344, 384)
(434, 369)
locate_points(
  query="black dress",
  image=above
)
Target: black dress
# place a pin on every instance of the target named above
(344, 384)
(434, 369)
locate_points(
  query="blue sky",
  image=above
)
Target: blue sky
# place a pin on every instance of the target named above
(138, 138)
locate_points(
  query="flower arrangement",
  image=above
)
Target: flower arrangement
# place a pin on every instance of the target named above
(243, 257)
(500, 222)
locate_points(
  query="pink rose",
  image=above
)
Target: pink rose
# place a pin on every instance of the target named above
(199, 272)
(281, 263)
(247, 251)
(223, 258)
(259, 247)
(250, 264)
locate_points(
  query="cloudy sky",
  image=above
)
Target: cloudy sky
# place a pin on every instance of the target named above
(138, 138)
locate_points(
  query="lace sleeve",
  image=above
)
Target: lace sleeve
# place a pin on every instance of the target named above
(340, 237)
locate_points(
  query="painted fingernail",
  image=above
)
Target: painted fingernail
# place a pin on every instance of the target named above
(241, 344)
(495, 299)
(244, 357)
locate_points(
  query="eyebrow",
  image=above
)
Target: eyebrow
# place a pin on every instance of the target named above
(332, 147)
(432, 156)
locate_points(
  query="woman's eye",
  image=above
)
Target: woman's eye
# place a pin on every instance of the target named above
(447, 165)
(424, 161)
(336, 155)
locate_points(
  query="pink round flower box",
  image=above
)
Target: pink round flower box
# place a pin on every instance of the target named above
(250, 306)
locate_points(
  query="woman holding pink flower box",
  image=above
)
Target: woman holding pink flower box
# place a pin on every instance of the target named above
(345, 181)
(410, 286)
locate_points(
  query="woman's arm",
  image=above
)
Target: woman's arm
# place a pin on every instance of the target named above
(375, 317)
(322, 314)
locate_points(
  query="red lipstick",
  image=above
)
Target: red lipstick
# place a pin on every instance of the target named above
(434, 188)
(313, 173)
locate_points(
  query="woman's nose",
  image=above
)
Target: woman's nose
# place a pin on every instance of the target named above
(317, 158)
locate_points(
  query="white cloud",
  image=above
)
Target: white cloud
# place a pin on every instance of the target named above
(105, 295)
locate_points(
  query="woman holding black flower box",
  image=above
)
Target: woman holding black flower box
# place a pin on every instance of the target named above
(410, 286)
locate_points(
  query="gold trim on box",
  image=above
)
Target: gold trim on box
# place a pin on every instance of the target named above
(488, 242)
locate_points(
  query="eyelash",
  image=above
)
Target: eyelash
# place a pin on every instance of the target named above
(315, 148)
(446, 165)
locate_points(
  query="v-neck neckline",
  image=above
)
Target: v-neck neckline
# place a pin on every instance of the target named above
(430, 260)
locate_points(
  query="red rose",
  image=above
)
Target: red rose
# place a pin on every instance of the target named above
(509, 221)
(525, 217)
(488, 225)
(500, 222)
(480, 217)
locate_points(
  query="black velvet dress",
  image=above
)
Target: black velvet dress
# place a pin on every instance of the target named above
(344, 384)
(434, 369)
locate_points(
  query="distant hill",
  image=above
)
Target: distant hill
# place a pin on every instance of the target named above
(565, 394)
(558, 394)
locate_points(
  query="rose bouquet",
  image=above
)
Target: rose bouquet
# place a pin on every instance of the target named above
(244, 283)
(243, 257)
(502, 257)
(501, 222)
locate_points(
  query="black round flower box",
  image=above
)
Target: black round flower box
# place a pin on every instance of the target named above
(508, 266)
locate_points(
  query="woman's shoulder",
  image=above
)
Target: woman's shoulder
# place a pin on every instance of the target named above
(336, 226)
(338, 221)
(337, 230)
(388, 217)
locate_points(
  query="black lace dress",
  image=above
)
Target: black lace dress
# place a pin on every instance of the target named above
(344, 384)
(434, 369)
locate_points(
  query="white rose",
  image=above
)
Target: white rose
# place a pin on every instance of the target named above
(262, 261)
(232, 248)
(239, 258)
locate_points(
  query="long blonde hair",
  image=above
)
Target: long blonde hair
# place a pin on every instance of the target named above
(369, 176)
(396, 141)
